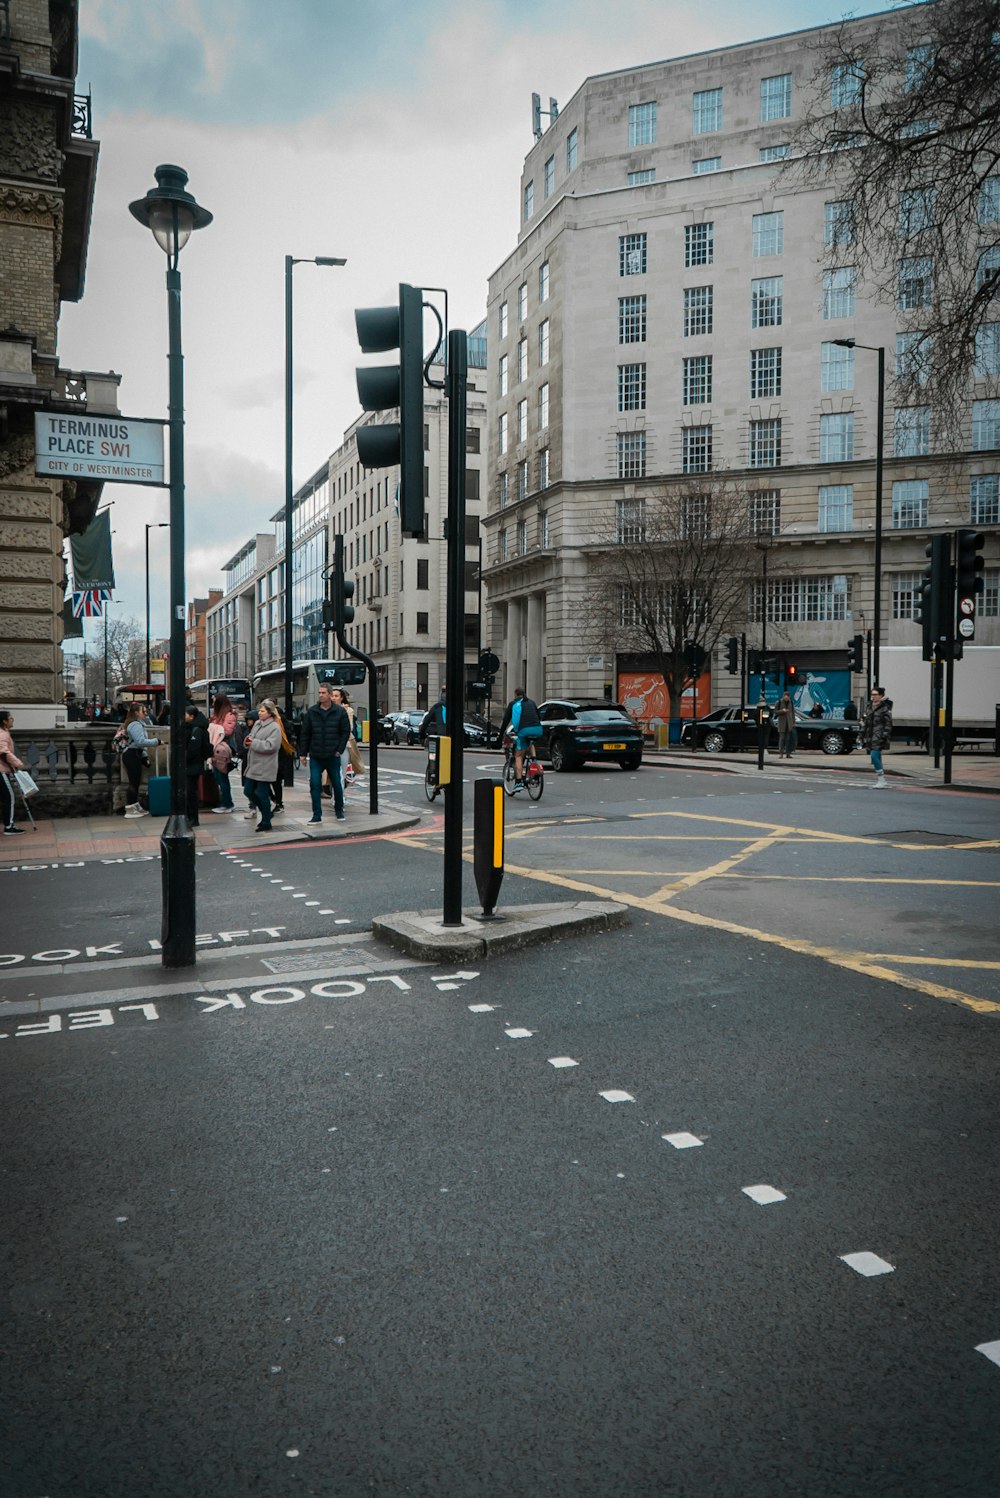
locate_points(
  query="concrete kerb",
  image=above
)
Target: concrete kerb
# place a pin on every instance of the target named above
(421, 933)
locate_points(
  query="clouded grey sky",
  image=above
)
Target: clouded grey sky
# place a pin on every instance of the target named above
(391, 132)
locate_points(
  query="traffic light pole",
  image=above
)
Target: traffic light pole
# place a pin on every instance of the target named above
(456, 388)
(359, 655)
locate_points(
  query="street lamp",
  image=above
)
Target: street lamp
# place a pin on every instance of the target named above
(161, 525)
(172, 214)
(291, 261)
(879, 444)
(763, 545)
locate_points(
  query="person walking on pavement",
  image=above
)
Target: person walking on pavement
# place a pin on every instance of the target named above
(876, 732)
(785, 718)
(525, 723)
(262, 761)
(351, 763)
(286, 756)
(9, 762)
(134, 756)
(221, 728)
(325, 727)
(195, 755)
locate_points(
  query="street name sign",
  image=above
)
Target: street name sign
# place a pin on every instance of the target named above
(117, 449)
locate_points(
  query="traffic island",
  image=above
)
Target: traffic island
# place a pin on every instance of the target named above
(422, 934)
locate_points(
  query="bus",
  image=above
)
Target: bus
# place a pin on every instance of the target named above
(203, 693)
(307, 678)
(151, 696)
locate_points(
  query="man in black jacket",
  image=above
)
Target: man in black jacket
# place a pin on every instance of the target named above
(323, 739)
(196, 752)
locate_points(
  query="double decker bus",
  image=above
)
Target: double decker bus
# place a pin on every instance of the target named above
(203, 693)
(307, 678)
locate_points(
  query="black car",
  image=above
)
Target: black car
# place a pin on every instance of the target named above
(730, 728)
(576, 730)
(406, 727)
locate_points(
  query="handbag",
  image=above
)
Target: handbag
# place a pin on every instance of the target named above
(25, 783)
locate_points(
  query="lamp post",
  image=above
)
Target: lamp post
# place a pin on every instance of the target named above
(161, 525)
(172, 214)
(763, 544)
(879, 445)
(290, 262)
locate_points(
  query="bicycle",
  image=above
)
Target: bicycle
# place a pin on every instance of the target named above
(534, 775)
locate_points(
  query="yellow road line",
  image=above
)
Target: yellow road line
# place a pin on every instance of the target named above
(717, 871)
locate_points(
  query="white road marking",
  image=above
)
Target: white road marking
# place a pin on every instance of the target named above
(518, 1034)
(990, 1350)
(327, 912)
(285, 887)
(764, 1195)
(560, 1061)
(299, 896)
(867, 1264)
(682, 1141)
(312, 902)
(613, 1095)
(481, 1008)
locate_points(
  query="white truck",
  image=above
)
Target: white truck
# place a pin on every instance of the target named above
(907, 681)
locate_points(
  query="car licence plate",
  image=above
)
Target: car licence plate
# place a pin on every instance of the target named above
(614, 746)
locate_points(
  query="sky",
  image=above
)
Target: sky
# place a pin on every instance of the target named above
(391, 133)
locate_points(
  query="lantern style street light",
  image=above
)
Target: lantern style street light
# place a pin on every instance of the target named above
(172, 214)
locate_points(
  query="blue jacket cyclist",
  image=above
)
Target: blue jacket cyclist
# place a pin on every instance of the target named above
(525, 724)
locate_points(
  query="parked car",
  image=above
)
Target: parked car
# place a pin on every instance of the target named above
(406, 727)
(576, 730)
(479, 733)
(728, 728)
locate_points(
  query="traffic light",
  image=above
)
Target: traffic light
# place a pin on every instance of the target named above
(968, 580)
(754, 662)
(934, 605)
(732, 655)
(791, 673)
(387, 386)
(341, 593)
(856, 654)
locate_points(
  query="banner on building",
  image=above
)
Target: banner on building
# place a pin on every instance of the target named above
(93, 568)
(72, 627)
(119, 449)
(89, 604)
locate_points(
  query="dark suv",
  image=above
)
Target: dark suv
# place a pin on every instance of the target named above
(576, 730)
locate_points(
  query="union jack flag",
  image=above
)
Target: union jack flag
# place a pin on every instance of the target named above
(90, 603)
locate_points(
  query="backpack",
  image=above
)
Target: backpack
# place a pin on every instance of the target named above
(120, 742)
(222, 757)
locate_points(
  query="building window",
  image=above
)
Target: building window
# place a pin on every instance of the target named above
(988, 270)
(522, 480)
(764, 443)
(572, 141)
(543, 529)
(919, 62)
(522, 301)
(504, 490)
(792, 600)
(836, 437)
(989, 200)
(631, 387)
(543, 281)
(916, 282)
(502, 432)
(502, 546)
(774, 153)
(987, 350)
(632, 255)
(906, 594)
(632, 319)
(543, 407)
(836, 367)
(471, 445)
(838, 223)
(522, 359)
(639, 179)
(706, 164)
(631, 454)
(642, 124)
(912, 432)
(697, 381)
(916, 211)
(549, 177)
(766, 296)
(503, 319)
(989, 605)
(845, 84)
(697, 310)
(765, 373)
(543, 343)
(423, 624)
(768, 234)
(913, 356)
(984, 499)
(423, 573)
(630, 521)
(522, 421)
(985, 425)
(707, 111)
(543, 468)
(909, 504)
(836, 507)
(529, 200)
(776, 97)
(695, 517)
(838, 292)
(699, 244)
(522, 537)
(765, 512)
(503, 374)
(696, 449)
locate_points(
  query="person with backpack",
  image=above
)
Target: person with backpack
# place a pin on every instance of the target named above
(131, 741)
(221, 728)
(525, 724)
(196, 749)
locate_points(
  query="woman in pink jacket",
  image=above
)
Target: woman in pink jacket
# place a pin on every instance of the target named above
(221, 728)
(9, 762)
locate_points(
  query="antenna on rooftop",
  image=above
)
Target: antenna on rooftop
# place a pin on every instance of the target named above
(537, 111)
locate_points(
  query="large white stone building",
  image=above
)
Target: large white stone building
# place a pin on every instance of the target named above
(670, 309)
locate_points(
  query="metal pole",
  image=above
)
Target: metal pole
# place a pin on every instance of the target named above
(106, 607)
(147, 606)
(359, 655)
(879, 446)
(289, 262)
(949, 706)
(457, 378)
(177, 935)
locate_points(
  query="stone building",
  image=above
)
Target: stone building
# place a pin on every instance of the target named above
(670, 310)
(48, 165)
(195, 643)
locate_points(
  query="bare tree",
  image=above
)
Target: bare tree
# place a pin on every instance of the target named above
(671, 574)
(126, 645)
(906, 122)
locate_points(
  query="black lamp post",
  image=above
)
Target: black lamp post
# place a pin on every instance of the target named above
(161, 525)
(172, 214)
(290, 262)
(879, 445)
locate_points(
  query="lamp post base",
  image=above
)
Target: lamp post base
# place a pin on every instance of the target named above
(177, 930)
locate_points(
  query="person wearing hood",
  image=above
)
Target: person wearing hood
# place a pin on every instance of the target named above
(876, 732)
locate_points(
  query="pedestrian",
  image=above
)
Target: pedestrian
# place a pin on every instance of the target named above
(9, 762)
(262, 760)
(876, 732)
(195, 754)
(221, 728)
(784, 717)
(137, 740)
(325, 728)
(286, 756)
(351, 764)
(242, 731)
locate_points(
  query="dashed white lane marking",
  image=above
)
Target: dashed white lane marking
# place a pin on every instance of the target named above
(764, 1195)
(682, 1141)
(481, 1008)
(300, 896)
(327, 912)
(867, 1264)
(285, 887)
(560, 1061)
(990, 1350)
(312, 902)
(518, 1034)
(614, 1095)
(343, 920)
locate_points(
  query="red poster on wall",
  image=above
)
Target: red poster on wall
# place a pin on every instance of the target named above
(644, 695)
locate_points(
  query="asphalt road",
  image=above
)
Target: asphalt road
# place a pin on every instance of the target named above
(331, 1228)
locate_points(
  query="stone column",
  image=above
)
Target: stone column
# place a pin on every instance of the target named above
(536, 646)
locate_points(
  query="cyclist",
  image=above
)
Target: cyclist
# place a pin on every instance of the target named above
(522, 719)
